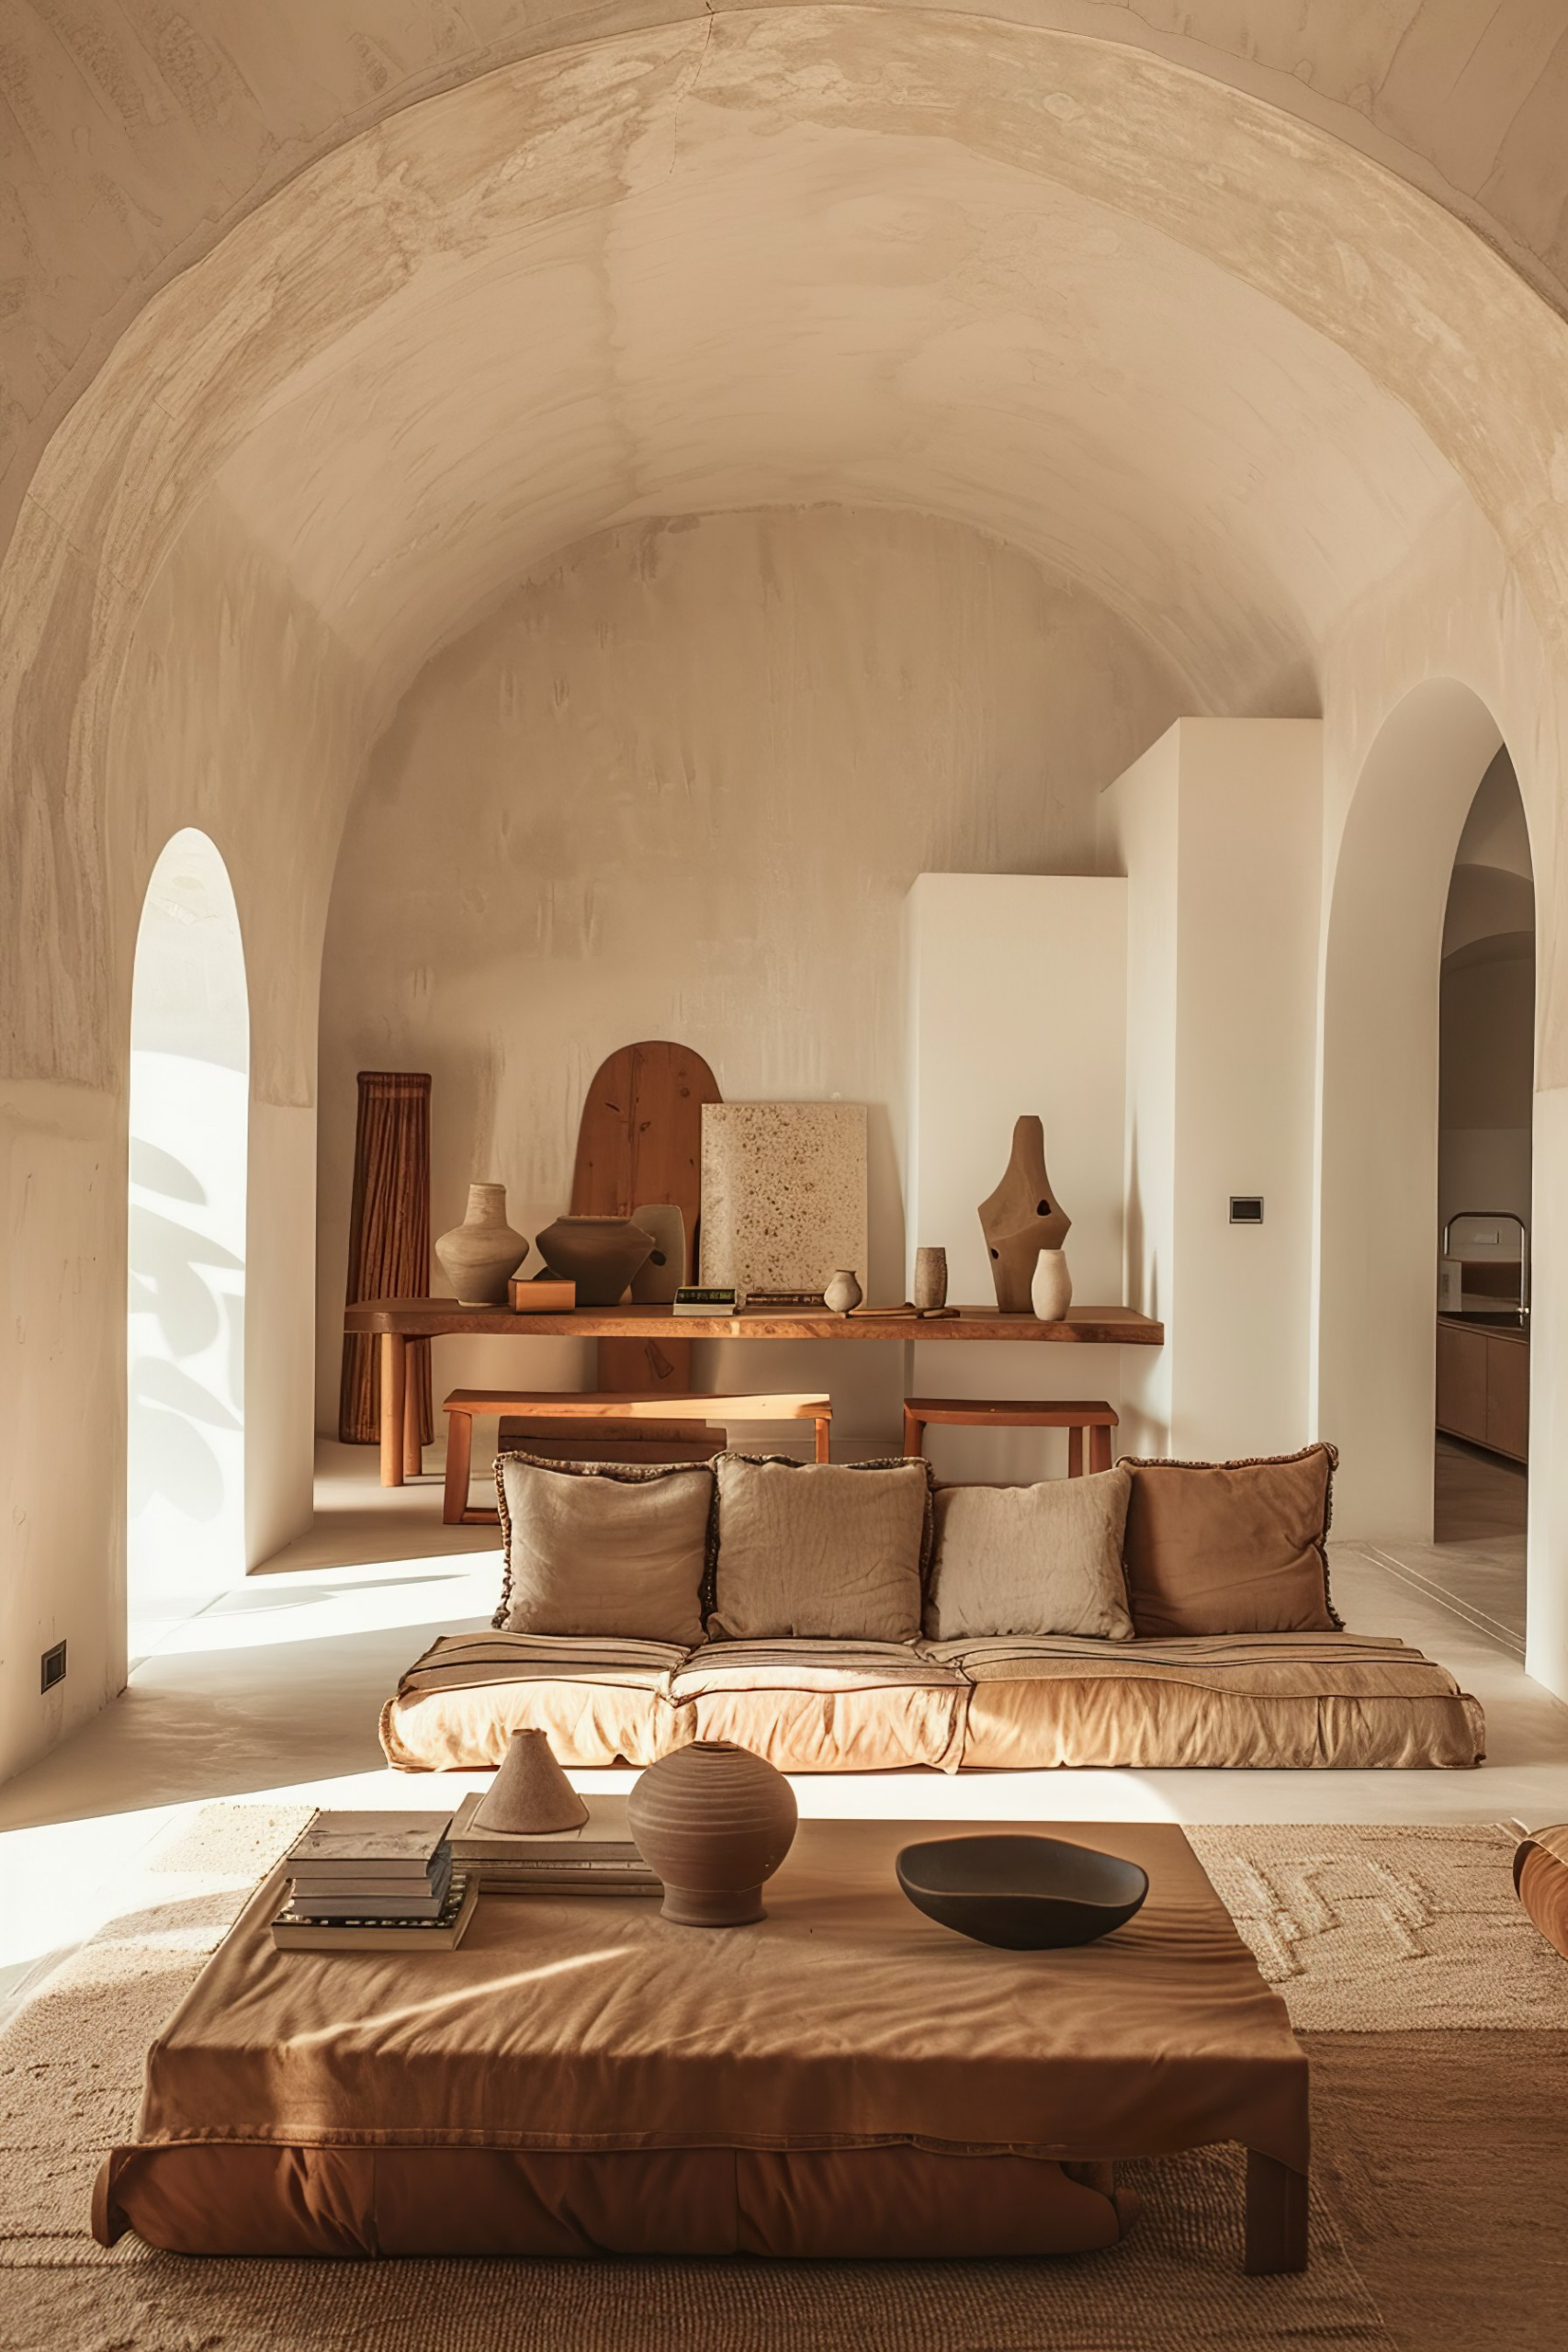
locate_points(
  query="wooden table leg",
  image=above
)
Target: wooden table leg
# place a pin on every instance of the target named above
(914, 1433)
(1100, 1449)
(394, 1387)
(1276, 2216)
(413, 1446)
(1075, 1450)
(459, 1454)
(823, 1436)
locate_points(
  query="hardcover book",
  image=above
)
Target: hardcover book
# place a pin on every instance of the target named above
(386, 1845)
(294, 1930)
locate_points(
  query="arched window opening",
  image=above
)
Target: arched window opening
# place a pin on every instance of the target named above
(189, 1102)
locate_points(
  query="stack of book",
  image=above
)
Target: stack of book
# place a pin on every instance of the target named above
(596, 1858)
(368, 1882)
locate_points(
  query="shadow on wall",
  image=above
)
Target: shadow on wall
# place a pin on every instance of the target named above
(189, 1102)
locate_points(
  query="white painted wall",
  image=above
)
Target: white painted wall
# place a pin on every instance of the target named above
(1017, 1002)
(1218, 830)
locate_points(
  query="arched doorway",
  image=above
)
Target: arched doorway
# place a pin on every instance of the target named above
(1486, 1116)
(189, 1101)
(1379, 1227)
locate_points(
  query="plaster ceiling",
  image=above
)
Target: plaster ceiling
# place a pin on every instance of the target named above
(132, 139)
(823, 313)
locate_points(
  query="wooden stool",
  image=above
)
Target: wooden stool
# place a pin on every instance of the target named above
(598, 1406)
(1074, 1414)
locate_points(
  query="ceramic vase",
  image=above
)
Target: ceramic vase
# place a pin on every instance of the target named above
(657, 1281)
(479, 1255)
(600, 1254)
(1022, 1217)
(713, 1821)
(530, 1794)
(930, 1279)
(1051, 1292)
(843, 1292)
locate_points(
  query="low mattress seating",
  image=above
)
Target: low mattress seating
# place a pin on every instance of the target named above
(849, 1617)
(1283, 1702)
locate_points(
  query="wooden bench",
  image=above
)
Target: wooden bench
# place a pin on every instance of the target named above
(1073, 1414)
(601, 1405)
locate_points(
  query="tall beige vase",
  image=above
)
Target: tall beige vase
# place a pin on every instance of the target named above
(479, 1256)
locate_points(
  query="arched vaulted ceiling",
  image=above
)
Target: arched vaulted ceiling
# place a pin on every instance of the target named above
(1195, 354)
(131, 139)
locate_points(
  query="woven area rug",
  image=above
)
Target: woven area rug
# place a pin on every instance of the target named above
(1330, 1911)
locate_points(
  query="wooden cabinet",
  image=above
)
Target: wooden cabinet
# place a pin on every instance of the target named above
(1483, 1381)
(1508, 1396)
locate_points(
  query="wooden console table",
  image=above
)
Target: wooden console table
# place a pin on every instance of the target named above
(398, 1321)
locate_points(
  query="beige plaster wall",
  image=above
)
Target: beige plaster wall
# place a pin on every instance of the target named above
(678, 785)
(238, 713)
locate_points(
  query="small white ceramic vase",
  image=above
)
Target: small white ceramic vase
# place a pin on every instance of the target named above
(843, 1292)
(477, 1256)
(1051, 1292)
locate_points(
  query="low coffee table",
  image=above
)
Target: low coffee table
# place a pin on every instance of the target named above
(845, 2077)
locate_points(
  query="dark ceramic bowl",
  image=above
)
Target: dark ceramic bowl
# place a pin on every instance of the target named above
(1026, 1894)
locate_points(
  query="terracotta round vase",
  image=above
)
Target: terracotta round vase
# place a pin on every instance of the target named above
(477, 1256)
(713, 1821)
(600, 1254)
(1051, 1292)
(843, 1292)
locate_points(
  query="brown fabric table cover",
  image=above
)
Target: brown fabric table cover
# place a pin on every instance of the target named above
(845, 2021)
(1541, 1879)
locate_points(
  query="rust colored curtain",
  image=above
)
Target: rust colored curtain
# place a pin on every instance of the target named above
(388, 1240)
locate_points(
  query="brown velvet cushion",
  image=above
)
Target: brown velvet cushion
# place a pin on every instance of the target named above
(820, 1551)
(603, 1547)
(1231, 1547)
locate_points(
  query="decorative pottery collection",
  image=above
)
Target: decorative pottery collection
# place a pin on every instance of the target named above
(844, 1293)
(600, 1254)
(479, 1256)
(530, 1794)
(662, 1276)
(713, 1821)
(1025, 1893)
(1051, 1292)
(931, 1281)
(1022, 1217)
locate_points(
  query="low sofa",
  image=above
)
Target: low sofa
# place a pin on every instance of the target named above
(856, 1618)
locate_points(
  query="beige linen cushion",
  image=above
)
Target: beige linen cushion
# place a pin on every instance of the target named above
(1042, 1559)
(819, 1551)
(1231, 1547)
(602, 1547)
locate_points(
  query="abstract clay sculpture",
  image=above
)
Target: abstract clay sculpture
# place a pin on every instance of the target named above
(530, 1794)
(662, 1276)
(1022, 1217)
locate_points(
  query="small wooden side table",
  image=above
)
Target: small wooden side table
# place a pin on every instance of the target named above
(1073, 1414)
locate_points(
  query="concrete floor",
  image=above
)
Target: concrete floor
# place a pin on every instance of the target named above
(272, 1690)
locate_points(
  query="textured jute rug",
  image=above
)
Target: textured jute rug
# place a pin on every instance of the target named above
(1438, 2200)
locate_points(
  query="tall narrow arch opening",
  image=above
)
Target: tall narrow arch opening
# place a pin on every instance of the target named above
(185, 1322)
(1387, 1176)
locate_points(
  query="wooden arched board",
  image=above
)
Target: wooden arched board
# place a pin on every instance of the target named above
(640, 1138)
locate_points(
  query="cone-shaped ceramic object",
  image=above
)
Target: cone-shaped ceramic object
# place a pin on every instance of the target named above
(530, 1794)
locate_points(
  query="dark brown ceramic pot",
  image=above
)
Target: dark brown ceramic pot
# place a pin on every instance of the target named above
(713, 1821)
(600, 1254)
